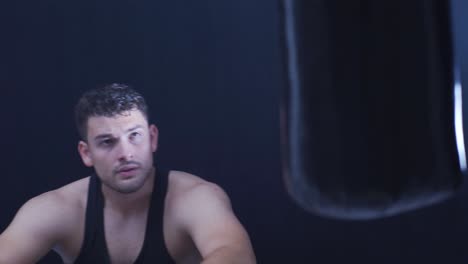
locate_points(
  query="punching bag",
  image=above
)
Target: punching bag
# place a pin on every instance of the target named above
(369, 111)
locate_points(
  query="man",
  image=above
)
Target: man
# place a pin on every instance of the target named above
(129, 211)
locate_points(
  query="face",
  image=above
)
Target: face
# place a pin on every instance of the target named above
(120, 148)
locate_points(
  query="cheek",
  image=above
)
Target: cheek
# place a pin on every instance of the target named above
(146, 153)
(144, 145)
(104, 168)
(103, 160)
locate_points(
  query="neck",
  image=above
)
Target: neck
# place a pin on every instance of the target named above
(128, 203)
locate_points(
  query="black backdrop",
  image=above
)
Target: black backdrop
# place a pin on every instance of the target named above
(212, 74)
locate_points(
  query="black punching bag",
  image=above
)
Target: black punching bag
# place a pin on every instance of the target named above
(369, 121)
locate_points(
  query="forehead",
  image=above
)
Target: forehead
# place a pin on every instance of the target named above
(116, 124)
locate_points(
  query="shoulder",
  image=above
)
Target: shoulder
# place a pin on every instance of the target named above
(42, 223)
(57, 207)
(185, 187)
(203, 211)
(190, 197)
(70, 197)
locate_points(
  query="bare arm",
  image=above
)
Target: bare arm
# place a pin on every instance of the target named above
(33, 231)
(216, 231)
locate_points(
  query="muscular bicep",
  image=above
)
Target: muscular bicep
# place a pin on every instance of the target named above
(212, 223)
(31, 234)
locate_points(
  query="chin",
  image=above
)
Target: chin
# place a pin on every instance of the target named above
(127, 188)
(130, 185)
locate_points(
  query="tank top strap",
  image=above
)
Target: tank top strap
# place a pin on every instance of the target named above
(154, 248)
(94, 249)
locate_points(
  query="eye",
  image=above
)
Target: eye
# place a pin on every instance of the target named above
(107, 142)
(135, 135)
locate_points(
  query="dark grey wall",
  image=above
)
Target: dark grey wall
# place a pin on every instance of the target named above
(212, 74)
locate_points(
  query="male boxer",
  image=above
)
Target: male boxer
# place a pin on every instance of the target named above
(130, 210)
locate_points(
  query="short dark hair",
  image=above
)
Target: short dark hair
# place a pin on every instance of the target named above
(109, 100)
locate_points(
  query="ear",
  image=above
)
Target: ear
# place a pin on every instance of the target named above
(83, 149)
(154, 134)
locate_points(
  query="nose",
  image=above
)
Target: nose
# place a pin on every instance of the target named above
(124, 151)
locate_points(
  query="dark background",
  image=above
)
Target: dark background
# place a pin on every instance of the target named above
(212, 74)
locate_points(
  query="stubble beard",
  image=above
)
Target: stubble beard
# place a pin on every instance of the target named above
(134, 184)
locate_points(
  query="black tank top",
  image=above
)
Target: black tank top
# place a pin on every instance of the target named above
(94, 249)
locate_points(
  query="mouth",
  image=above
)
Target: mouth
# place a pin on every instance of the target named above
(127, 171)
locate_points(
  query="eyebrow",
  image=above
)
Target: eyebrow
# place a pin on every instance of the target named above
(110, 135)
